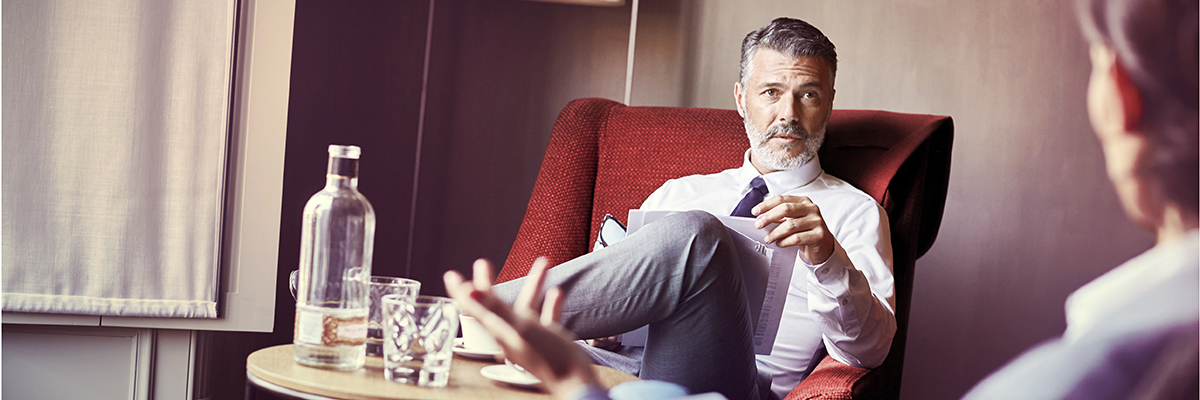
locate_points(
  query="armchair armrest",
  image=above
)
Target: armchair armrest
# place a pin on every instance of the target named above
(830, 380)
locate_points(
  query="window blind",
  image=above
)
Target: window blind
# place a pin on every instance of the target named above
(115, 119)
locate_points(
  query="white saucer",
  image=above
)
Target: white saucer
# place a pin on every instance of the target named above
(510, 375)
(468, 353)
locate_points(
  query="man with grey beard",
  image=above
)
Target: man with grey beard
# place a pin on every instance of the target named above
(681, 276)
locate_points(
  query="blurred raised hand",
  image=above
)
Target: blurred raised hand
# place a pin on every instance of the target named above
(529, 331)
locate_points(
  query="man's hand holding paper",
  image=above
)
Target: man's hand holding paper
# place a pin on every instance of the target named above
(800, 224)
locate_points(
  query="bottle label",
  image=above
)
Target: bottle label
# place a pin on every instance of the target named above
(313, 327)
(347, 167)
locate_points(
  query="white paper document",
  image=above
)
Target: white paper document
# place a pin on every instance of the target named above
(766, 275)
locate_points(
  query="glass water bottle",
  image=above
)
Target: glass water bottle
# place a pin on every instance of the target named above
(335, 269)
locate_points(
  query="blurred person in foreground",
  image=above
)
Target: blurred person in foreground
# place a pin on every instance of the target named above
(534, 339)
(1133, 332)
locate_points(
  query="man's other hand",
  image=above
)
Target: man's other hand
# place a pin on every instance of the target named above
(800, 224)
(611, 343)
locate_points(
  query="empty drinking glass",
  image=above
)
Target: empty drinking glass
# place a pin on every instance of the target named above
(418, 339)
(382, 286)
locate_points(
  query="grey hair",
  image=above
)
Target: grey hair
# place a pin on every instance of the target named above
(1156, 42)
(792, 37)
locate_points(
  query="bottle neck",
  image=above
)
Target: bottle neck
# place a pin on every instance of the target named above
(342, 173)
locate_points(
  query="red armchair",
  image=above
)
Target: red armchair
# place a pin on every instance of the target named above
(605, 158)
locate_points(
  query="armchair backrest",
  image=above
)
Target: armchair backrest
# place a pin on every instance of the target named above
(606, 158)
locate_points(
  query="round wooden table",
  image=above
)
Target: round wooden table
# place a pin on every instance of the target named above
(273, 369)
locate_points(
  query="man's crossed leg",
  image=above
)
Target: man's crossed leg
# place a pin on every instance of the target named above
(681, 276)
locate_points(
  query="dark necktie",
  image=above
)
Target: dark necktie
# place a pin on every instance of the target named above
(758, 191)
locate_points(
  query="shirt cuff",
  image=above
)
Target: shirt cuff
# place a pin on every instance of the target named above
(833, 270)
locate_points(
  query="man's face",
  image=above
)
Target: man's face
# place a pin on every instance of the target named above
(786, 103)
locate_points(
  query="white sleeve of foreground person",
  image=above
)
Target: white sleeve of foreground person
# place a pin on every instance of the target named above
(639, 390)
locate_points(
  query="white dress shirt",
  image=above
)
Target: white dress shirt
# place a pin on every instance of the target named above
(1093, 305)
(1118, 326)
(847, 301)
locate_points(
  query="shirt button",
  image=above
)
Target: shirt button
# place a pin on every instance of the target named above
(845, 301)
(825, 270)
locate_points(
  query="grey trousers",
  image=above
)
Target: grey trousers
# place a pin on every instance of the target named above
(679, 275)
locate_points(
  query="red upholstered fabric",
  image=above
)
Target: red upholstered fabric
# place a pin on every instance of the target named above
(831, 380)
(556, 221)
(642, 147)
(604, 157)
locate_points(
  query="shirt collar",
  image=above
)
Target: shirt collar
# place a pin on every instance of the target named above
(1088, 306)
(780, 181)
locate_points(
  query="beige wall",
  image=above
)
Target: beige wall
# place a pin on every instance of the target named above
(1030, 215)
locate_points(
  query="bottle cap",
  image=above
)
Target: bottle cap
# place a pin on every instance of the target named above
(344, 151)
